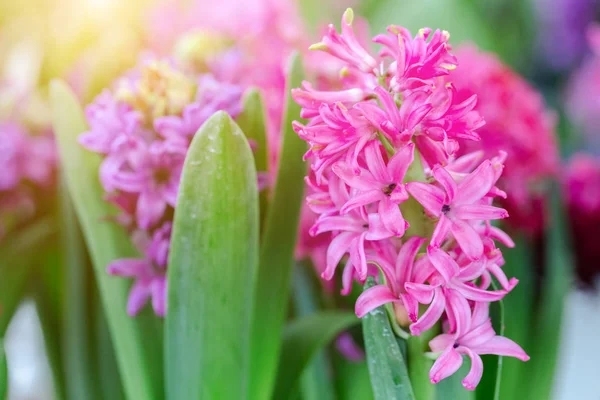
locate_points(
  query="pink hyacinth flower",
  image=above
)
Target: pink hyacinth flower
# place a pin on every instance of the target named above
(456, 205)
(474, 337)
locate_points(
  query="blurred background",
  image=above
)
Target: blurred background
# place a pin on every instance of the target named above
(551, 43)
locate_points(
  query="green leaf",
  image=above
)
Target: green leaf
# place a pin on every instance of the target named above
(549, 315)
(212, 265)
(277, 250)
(109, 381)
(451, 388)
(48, 294)
(501, 332)
(387, 367)
(75, 343)
(352, 379)
(419, 366)
(518, 322)
(315, 382)
(253, 124)
(3, 372)
(137, 340)
(302, 339)
(17, 257)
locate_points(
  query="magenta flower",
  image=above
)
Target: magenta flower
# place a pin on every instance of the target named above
(380, 184)
(27, 159)
(510, 107)
(474, 337)
(149, 273)
(457, 205)
(581, 187)
(144, 127)
(388, 176)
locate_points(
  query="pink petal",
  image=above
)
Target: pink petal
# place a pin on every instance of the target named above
(138, 295)
(501, 277)
(477, 211)
(441, 342)
(502, 346)
(346, 173)
(442, 228)
(447, 364)
(337, 248)
(411, 305)
(372, 298)
(336, 223)
(476, 185)
(468, 240)
(406, 259)
(130, 267)
(447, 182)
(362, 199)
(391, 217)
(421, 292)
(432, 315)
(430, 197)
(377, 229)
(375, 162)
(475, 373)
(399, 163)
(358, 256)
(476, 294)
(458, 311)
(150, 209)
(443, 263)
(159, 298)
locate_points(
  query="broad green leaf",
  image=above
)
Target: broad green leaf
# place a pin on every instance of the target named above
(451, 388)
(352, 379)
(3, 372)
(109, 380)
(315, 382)
(419, 366)
(302, 339)
(137, 340)
(252, 122)
(47, 291)
(17, 258)
(555, 287)
(517, 322)
(75, 343)
(50, 325)
(277, 250)
(212, 265)
(387, 366)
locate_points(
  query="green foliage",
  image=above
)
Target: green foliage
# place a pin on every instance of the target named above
(277, 249)
(136, 340)
(387, 365)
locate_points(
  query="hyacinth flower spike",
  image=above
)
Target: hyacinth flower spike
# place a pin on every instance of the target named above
(385, 156)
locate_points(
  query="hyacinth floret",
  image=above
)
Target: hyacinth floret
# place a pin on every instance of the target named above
(143, 128)
(399, 204)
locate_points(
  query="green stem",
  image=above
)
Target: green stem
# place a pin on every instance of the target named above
(386, 143)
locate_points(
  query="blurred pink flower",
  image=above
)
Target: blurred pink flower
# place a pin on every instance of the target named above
(27, 160)
(516, 122)
(143, 127)
(149, 273)
(581, 184)
(583, 92)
